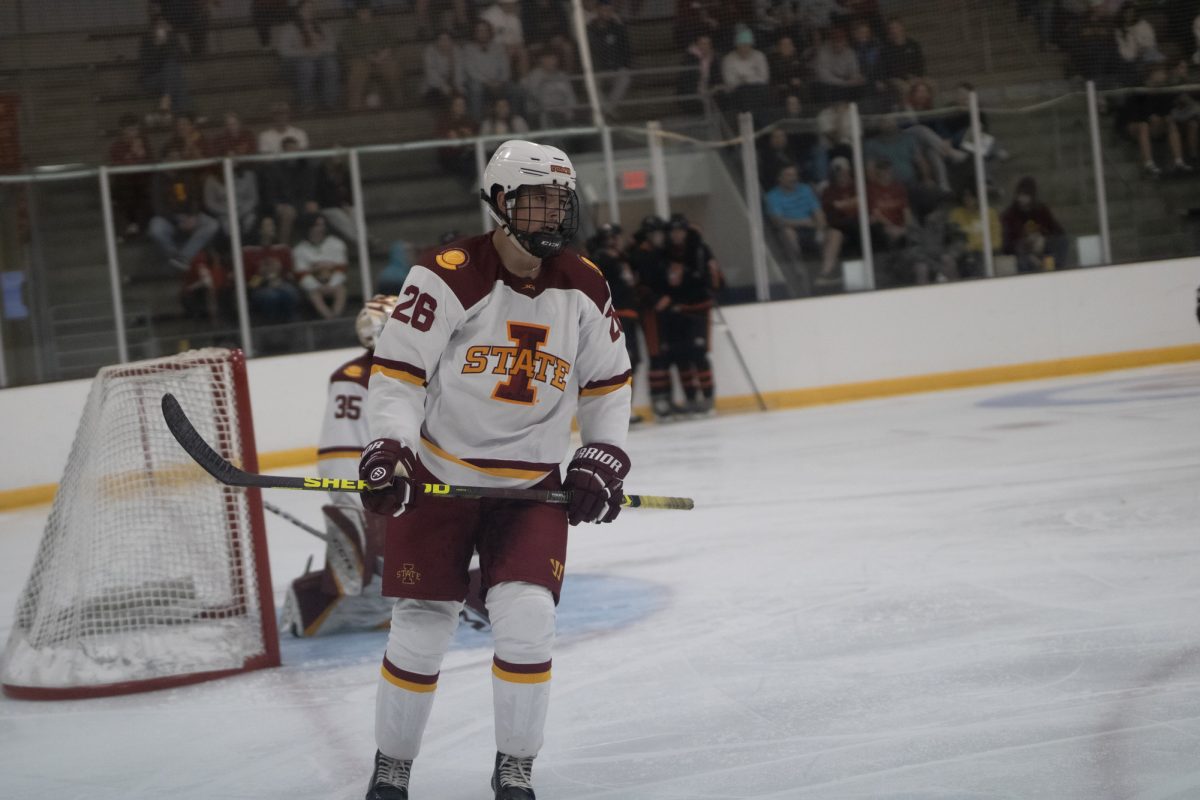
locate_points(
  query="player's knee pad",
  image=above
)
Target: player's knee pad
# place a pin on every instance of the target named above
(522, 621)
(420, 633)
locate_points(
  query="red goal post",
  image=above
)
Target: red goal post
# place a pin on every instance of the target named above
(149, 573)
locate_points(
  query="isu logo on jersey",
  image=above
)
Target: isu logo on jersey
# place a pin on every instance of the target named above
(522, 365)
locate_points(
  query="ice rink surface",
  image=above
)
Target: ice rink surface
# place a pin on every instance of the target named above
(986, 593)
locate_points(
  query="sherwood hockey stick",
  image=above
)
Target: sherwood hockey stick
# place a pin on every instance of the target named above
(212, 462)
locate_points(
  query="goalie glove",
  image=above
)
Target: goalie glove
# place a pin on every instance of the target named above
(386, 466)
(596, 479)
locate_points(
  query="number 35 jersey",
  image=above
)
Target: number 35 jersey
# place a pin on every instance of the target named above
(480, 371)
(344, 430)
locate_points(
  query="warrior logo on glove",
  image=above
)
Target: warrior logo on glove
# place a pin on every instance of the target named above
(596, 480)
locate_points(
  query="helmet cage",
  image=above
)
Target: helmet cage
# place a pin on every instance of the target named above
(520, 223)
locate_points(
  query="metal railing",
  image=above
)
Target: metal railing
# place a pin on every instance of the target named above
(654, 137)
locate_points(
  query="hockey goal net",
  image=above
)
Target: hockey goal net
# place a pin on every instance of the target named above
(149, 573)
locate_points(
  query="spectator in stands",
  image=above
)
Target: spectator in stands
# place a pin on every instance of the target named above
(335, 198)
(502, 121)
(819, 15)
(789, 72)
(268, 264)
(1031, 232)
(367, 44)
(270, 140)
(901, 59)
(964, 256)
(486, 68)
(391, 278)
(774, 157)
(930, 133)
(786, 147)
(1137, 44)
(549, 95)
(1151, 115)
(839, 201)
(505, 19)
(204, 281)
(955, 127)
(901, 151)
(611, 54)
(838, 76)
(457, 123)
(177, 198)
(835, 138)
(869, 52)
(320, 263)
(245, 193)
(188, 139)
(160, 67)
(234, 139)
(797, 215)
(864, 11)
(266, 16)
(452, 17)
(697, 79)
(1186, 113)
(745, 75)
(1090, 47)
(443, 76)
(695, 18)
(1196, 38)
(309, 51)
(131, 192)
(542, 20)
(290, 189)
(189, 17)
(891, 219)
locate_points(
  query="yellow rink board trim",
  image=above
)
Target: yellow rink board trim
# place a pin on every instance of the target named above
(794, 398)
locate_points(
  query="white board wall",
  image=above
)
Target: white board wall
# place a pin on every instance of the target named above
(787, 345)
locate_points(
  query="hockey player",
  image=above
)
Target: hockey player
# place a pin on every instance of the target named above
(692, 276)
(346, 594)
(647, 257)
(607, 249)
(494, 346)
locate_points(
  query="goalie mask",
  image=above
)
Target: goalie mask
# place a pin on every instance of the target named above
(540, 210)
(370, 321)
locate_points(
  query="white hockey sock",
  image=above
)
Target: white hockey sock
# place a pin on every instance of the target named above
(421, 632)
(522, 617)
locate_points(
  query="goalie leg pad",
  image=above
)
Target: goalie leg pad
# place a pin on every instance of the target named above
(345, 552)
(420, 633)
(522, 617)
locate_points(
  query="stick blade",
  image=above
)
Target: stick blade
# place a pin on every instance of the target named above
(194, 445)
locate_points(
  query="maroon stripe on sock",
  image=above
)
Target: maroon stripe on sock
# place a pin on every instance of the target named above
(521, 669)
(411, 677)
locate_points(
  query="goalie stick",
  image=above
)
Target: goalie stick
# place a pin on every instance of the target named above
(304, 526)
(220, 468)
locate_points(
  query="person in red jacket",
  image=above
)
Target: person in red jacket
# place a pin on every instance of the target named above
(1031, 231)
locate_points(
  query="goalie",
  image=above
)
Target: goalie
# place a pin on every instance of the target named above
(345, 596)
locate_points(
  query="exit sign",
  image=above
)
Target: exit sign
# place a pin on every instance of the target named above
(634, 180)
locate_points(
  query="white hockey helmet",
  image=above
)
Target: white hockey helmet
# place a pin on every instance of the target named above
(519, 164)
(370, 321)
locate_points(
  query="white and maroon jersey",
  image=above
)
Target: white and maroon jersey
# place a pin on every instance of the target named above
(480, 371)
(344, 431)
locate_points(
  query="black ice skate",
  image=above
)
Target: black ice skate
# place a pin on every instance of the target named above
(512, 779)
(390, 781)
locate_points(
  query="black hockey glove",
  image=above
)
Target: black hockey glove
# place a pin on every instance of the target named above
(386, 466)
(596, 480)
